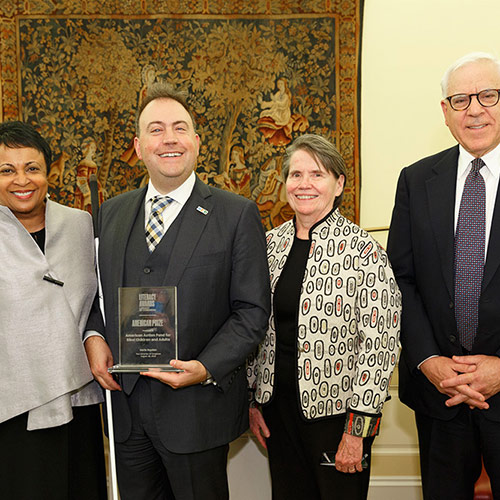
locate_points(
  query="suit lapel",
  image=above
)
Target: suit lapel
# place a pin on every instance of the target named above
(493, 254)
(127, 216)
(194, 221)
(441, 190)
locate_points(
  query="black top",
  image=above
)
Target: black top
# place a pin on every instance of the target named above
(39, 237)
(286, 308)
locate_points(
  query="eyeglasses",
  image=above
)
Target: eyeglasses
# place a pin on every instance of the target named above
(487, 98)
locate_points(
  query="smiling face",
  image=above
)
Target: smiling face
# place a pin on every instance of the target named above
(23, 182)
(311, 190)
(167, 143)
(477, 128)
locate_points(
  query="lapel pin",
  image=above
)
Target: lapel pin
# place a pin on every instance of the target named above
(202, 210)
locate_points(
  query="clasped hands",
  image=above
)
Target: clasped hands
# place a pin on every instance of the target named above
(465, 379)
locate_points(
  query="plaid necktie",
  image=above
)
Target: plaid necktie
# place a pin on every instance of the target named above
(154, 227)
(469, 254)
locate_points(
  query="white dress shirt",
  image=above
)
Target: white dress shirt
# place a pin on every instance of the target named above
(172, 210)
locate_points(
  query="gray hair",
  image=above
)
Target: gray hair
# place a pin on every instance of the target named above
(323, 151)
(463, 61)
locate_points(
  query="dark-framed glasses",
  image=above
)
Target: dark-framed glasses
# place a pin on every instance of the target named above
(487, 98)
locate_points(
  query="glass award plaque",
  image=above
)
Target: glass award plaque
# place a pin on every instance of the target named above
(148, 329)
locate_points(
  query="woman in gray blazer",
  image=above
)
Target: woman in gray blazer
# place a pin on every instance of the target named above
(50, 427)
(321, 375)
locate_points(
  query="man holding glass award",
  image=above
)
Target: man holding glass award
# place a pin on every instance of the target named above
(185, 292)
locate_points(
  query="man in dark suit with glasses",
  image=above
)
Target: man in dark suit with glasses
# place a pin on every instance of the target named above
(444, 245)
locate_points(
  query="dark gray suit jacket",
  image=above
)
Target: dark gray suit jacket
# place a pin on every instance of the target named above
(220, 269)
(421, 251)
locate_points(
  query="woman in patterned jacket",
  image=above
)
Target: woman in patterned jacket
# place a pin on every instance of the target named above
(321, 375)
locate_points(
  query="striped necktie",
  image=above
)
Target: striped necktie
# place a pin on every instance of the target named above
(154, 227)
(469, 254)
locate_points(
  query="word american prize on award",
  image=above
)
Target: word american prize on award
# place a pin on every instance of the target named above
(148, 329)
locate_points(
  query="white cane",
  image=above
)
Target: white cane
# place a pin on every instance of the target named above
(111, 439)
(109, 408)
(94, 199)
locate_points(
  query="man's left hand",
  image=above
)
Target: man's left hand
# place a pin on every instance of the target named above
(193, 373)
(483, 380)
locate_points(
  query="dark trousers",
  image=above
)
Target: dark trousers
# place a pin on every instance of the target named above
(147, 470)
(295, 448)
(59, 463)
(450, 454)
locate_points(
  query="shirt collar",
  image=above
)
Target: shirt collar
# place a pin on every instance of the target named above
(180, 194)
(491, 160)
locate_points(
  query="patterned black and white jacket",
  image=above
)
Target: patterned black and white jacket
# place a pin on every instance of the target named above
(348, 325)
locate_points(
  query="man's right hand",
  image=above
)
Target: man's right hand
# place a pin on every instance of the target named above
(441, 368)
(100, 359)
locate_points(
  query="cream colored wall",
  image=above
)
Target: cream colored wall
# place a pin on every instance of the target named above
(407, 46)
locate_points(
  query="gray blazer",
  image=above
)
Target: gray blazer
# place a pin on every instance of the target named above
(43, 366)
(219, 266)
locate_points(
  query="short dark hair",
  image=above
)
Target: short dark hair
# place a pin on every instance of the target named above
(324, 152)
(23, 135)
(163, 90)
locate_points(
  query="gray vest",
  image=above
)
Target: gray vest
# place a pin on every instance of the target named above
(145, 269)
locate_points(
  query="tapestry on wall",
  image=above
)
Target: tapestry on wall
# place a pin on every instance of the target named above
(257, 79)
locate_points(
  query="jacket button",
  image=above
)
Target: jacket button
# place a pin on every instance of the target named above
(451, 305)
(452, 338)
(147, 270)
